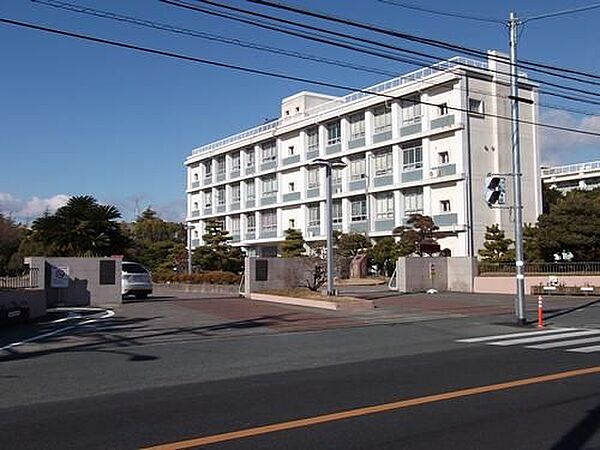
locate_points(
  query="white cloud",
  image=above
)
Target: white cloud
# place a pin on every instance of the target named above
(27, 210)
(563, 147)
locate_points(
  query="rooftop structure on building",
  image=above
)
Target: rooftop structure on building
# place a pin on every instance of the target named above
(420, 143)
(572, 176)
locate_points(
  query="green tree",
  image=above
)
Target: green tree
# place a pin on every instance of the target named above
(531, 245)
(155, 240)
(11, 235)
(496, 247)
(293, 245)
(572, 226)
(550, 196)
(418, 236)
(384, 254)
(217, 253)
(351, 244)
(82, 227)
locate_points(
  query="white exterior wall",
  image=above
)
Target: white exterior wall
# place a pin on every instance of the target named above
(477, 144)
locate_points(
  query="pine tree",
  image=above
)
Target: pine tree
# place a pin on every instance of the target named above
(217, 253)
(496, 248)
(293, 244)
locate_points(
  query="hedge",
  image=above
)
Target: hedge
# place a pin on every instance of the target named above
(209, 277)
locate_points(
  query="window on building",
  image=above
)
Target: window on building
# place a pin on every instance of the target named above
(195, 206)
(292, 187)
(220, 165)
(235, 162)
(221, 196)
(314, 215)
(475, 106)
(235, 225)
(235, 193)
(208, 199)
(313, 178)
(411, 110)
(292, 224)
(268, 221)
(413, 201)
(269, 186)
(250, 223)
(312, 137)
(336, 180)
(250, 157)
(358, 210)
(382, 119)
(208, 169)
(412, 157)
(383, 163)
(445, 206)
(250, 190)
(334, 133)
(291, 150)
(443, 158)
(357, 126)
(357, 169)
(385, 206)
(269, 151)
(443, 109)
(195, 177)
(337, 212)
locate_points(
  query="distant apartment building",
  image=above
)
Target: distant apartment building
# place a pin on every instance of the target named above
(425, 147)
(573, 176)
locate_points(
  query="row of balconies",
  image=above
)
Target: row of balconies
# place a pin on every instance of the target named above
(317, 230)
(353, 186)
(314, 152)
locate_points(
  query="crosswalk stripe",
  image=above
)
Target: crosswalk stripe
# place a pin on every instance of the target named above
(514, 335)
(590, 349)
(553, 337)
(569, 343)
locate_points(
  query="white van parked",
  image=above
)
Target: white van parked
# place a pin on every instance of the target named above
(135, 280)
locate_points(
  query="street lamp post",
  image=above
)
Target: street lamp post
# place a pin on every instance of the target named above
(329, 166)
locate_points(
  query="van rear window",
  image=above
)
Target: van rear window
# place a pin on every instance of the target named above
(133, 268)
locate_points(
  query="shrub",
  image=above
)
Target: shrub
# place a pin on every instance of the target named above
(210, 277)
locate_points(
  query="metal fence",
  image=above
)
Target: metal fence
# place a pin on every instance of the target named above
(19, 279)
(562, 268)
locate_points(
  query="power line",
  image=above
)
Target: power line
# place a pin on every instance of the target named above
(368, 50)
(561, 13)
(442, 13)
(177, 30)
(413, 38)
(267, 73)
(203, 35)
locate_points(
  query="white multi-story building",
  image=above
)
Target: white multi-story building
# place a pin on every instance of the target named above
(573, 176)
(425, 146)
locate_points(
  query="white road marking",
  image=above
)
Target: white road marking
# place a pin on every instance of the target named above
(591, 349)
(553, 337)
(513, 335)
(106, 315)
(568, 343)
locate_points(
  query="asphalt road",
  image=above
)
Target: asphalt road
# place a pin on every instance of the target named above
(125, 395)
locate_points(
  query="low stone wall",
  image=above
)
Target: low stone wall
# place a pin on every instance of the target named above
(35, 299)
(507, 284)
(277, 273)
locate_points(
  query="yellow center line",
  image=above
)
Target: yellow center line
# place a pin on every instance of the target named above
(316, 420)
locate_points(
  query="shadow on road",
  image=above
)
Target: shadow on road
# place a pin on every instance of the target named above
(581, 433)
(121, 335)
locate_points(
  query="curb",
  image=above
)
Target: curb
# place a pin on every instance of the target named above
(310, 303)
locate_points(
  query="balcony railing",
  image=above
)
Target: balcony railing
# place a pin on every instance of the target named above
(571, 169)
(411, 77)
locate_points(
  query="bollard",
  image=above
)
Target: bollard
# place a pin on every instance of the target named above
(540, 312)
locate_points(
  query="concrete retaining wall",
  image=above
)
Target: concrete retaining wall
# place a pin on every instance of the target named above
(280, 273)
(84, 285)
(451, 274)
(35, 299)
(507, 285)
(205, 288)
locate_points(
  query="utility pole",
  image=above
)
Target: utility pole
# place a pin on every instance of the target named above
(513, 24)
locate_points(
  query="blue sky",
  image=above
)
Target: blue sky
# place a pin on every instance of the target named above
(82, 118)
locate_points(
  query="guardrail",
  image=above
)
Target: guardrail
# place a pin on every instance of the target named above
(19, 279)
(563, 268)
